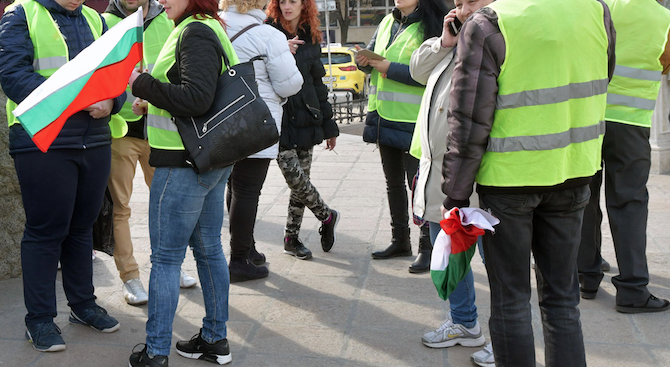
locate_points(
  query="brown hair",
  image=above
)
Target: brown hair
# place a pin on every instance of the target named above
(309, 15)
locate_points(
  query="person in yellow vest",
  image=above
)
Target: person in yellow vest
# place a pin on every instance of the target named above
(185, 207)
(62, 189)
(526, 121)
(129, 145)
(642, 55)
(393, 107)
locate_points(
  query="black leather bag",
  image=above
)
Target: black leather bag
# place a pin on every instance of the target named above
(237, 125)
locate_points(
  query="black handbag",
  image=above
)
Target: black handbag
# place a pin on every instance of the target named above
(237, 125)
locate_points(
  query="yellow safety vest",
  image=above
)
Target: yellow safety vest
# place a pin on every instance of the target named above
(162, 131)
(395, 101)
(549, 118)
(50, 49)
(155, 36)
(642, 31)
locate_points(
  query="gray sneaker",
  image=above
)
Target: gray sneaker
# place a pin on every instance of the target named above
(484, 358)
(450, 334)
(134, 293)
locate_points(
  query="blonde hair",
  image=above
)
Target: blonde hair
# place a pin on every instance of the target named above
(243, 6)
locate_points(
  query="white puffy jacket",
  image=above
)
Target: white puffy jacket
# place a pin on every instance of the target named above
(277, 75)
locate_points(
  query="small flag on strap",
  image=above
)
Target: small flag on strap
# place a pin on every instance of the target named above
(455, 246)
(99, 72)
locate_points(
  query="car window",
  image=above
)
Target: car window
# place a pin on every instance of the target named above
(336, 58)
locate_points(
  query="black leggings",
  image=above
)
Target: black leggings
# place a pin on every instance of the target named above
(398, 165)
(244, 189)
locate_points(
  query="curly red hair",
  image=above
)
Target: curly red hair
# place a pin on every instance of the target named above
(309, 15)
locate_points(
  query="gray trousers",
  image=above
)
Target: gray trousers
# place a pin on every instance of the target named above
(627, 160)
(295, 165)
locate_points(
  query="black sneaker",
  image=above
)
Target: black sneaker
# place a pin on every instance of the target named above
(327, 231)
(142, 359)
(243, 269)
(196, 348)
(45, 337)
(97, 318)
(294, 247)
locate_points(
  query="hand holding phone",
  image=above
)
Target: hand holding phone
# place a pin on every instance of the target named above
(450, 29)
(455, 27)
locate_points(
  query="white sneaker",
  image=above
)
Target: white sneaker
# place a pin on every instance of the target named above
(134, 293)
(186, 281)
(450, 334)
(484, 358)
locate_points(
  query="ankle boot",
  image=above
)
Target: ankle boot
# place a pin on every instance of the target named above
(399, 246)
(242, 269)
(422, 262)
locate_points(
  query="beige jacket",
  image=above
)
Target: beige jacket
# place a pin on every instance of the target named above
(432, 65)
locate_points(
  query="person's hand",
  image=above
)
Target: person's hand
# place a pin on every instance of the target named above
(360, 59)
(448, 39)
(382, 66)
(100, 109)
(140, 106)
(134, 76)
(293, 44)
(443, 210)
(330, 143)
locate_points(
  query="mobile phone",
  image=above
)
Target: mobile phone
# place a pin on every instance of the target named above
(455, 27)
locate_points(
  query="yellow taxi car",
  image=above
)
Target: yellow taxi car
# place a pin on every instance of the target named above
(346, 76)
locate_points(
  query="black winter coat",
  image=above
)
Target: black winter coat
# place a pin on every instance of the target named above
(308, 116)
(192, 88)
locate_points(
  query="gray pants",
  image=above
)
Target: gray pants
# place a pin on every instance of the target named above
(627, 160)
(295, 165)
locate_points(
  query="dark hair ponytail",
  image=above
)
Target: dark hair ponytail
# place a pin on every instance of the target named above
(431, 13)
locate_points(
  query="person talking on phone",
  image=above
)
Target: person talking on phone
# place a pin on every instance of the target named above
(433, 64)
(393, 107)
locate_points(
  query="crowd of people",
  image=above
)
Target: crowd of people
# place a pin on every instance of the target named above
(530, 99)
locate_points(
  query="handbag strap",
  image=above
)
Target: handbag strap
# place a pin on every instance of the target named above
(226, 62)
(242, 31)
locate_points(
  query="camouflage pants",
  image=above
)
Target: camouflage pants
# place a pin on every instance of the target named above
(295, 164)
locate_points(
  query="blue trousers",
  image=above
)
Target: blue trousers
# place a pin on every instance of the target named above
(62, 194)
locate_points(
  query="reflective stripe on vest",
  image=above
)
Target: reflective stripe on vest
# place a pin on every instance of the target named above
(50, 50)
(161, 131)
(560, 94)
(155, 36)
(546, 142)
(395, 101)
(548, 124)
(634, 88)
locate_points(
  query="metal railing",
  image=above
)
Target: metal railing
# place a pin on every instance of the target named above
(348, 109)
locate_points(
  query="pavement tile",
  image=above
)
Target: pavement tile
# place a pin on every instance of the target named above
(272, 360)
(618, 355)
(298, 340)
(328, 312)
(390, 348)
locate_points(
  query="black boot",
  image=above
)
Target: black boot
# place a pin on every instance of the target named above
(422, 262)
(399, 246)
(256, 257)
(242, 269)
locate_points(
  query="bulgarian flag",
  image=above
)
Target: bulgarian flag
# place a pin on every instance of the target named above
(99, 72)
(455, 246)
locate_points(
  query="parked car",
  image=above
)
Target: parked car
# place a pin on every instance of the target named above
(346, 76)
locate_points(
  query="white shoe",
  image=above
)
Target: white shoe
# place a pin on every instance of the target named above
(450, 334)
(484, 358)
(186, 281)
(134, 293)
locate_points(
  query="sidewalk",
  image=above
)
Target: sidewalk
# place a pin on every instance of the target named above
(340, 309)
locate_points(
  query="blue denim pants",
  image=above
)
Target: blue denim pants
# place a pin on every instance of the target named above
(462, 299)
(186, 209)
(548, 224)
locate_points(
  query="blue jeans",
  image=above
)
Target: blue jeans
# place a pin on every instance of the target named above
(462, 299)
(186, 208)
(549, 225)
